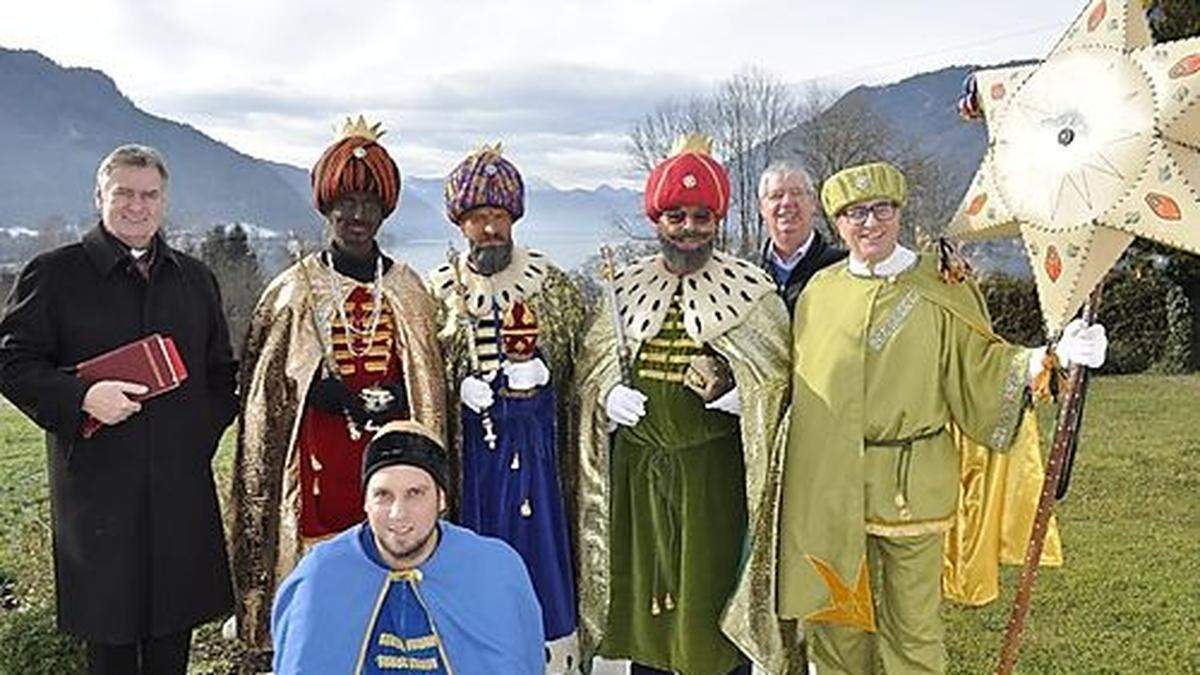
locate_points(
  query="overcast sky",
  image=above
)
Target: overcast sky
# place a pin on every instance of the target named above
(560, 82)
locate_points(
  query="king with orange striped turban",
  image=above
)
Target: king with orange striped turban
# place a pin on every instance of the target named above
(356, 162)
(689, 176)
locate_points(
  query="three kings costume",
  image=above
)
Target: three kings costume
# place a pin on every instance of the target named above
(676, 512)
(297, 468)
(515, 465)
(900, 389)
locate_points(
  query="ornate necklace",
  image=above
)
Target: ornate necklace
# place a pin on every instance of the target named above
(335, 290)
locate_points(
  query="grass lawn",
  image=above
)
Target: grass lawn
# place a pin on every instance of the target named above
(1127, 601)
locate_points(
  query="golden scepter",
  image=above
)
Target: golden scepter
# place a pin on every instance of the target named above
(624, 358)
(467, 325)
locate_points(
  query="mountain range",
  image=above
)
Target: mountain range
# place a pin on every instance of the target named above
(56, 123)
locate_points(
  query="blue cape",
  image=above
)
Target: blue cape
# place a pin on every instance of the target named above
(476, 593)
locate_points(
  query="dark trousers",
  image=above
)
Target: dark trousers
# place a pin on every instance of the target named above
(638, 669)
(165, 655)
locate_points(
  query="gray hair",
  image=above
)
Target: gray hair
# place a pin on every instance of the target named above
(782, 167)
(131, 155)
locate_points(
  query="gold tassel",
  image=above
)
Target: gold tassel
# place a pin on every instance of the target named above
(655, 610)
(952, 266)
(1043, 386)
(526, 509)
(668, 602)
(902, 505)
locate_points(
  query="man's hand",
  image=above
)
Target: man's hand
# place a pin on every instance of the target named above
(109, 402)
(524, 375)
(476, 394)
(625, 405)
(1083, 344)
(729, 402)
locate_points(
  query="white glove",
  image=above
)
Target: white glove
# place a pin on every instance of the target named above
(729, 402)
(1083, 344)
(475, 394)
(524, 375)
(625, 405)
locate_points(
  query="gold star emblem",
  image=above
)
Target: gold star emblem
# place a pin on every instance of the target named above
(1088, 149)
(852, 607)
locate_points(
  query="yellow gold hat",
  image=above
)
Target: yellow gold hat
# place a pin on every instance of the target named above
(879, 180)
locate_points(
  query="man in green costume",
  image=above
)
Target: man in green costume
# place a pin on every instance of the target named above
(892, 350)
(673, 491)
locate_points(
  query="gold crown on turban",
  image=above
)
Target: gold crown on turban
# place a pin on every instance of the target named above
(700, 144)
(358, 128)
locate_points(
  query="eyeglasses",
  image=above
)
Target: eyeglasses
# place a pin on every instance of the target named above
(883, 212)
(699, 216)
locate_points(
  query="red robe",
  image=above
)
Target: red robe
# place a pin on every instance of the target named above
(331, 497)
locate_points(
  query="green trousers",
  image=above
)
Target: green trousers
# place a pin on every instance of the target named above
(906, 578)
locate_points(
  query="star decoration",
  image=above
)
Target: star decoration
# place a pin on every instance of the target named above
(852, 607)
(1096, 145)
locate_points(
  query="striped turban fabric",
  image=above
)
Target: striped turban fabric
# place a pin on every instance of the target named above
(484, 178)
(688, 177)
(355, 164)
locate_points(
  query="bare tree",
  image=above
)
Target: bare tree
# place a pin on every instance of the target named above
(839, 132)
(753, 110)
(651, 138)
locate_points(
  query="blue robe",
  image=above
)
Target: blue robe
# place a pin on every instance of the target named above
(470, 608)
(512, 492)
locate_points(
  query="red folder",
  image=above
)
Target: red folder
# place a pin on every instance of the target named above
(153, 361)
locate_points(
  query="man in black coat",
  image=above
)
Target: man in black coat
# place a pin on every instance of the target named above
(138, 549)
(795, 251)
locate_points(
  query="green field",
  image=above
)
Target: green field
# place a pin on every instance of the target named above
(1127, 601)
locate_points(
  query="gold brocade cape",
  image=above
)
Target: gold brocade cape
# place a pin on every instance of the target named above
(280, 359)
(756, 344)
(556, 302)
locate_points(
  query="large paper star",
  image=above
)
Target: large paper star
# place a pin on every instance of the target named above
(1088, 149)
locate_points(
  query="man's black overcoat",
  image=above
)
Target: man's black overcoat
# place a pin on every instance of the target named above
(138, 547)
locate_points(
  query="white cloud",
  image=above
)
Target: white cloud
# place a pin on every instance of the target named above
(560, 81)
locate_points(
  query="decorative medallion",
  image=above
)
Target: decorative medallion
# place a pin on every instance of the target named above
(976, 204)
(1054, 266)
(1097, 16)
(689, 181)
(998, 91)
(1163, 206)
(1188, 65)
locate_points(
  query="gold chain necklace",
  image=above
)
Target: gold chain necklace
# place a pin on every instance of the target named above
(352, 331)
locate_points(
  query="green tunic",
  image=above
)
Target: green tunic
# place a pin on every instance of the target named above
(672, 571)
(882, 366)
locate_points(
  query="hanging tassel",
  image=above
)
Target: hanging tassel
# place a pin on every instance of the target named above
(655, 610)
(668, 602)
(526, 509)
(952, 266)
(516, 463)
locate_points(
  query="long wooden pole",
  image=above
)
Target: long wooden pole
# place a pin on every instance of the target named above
(1065, 433)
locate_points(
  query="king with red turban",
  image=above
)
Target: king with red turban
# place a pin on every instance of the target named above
(340, 343)
(678, 470)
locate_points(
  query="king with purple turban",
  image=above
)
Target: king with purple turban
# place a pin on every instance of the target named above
(678, 469)
(340, 343)
(511, 325)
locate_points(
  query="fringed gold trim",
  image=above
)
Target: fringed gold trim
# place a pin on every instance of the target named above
(909, 529)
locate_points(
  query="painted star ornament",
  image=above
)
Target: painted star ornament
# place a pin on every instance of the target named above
(1096, 145)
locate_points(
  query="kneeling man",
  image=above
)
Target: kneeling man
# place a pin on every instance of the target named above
(406, 591)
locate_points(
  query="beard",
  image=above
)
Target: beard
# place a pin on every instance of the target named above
(408, 552)
(681, 261)
(488, 259)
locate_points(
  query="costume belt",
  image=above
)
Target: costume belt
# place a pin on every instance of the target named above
(903, 463)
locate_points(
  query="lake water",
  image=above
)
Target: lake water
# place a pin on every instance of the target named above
(566, 251)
